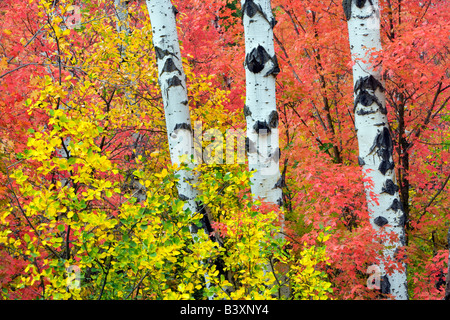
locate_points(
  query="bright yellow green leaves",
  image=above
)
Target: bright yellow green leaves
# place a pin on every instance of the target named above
(255, 258)
(82, 231)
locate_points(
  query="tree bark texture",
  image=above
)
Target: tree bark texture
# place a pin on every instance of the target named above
(260, 110)
(261, 68)
(374, 139)
(172, 81)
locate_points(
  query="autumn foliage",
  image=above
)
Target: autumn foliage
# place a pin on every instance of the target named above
(72, 105)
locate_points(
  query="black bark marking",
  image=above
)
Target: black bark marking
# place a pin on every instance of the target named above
(257, 59)
(366, 99)
(272, 22)
(389, 187)
(280, 202)
(368, 82)
(360, 3)
(365, 17)
(251, 9)
(247, 111)
(160, 53)
(402, 220)
(182, 197)
(280, 183)
(396, 205)
(181, 126)
(173, 82)
(204, 222)
(169, 66)
(194, 228)
(347, 4)
(175, 10)
(361, 161)
(273, 119)
(250, 146)
(380, 221)
(275, 68)
(185, 102)
(385, 166)
(363, 112)
(402, 240)
(385, 285)
(276, 155)
(261, 127)
(384, 146)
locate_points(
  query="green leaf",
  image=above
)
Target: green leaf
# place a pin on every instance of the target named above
(254, 213)
(63, 118)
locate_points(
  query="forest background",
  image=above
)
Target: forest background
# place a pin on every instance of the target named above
(88, 190)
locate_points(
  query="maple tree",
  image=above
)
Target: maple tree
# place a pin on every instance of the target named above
(93, 88)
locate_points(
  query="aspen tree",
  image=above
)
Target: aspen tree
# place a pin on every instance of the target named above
(261, 68)
(172, 81)
(260, 110)
(374, 139)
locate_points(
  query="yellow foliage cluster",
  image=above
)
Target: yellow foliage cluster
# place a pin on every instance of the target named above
(75, 218)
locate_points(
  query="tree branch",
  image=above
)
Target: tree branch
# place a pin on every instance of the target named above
(434, 197)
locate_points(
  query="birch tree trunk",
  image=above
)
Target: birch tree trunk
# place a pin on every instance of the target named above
(172, 81)
(262, 144)
(261, 68)
(121, 8)
(374, 138)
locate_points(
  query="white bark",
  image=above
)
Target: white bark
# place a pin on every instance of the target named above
(122, 16)
(172, 81)
(374, 139)
(260, 110)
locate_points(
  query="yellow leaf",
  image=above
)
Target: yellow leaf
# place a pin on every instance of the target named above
(162, 174)
(3, 64)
